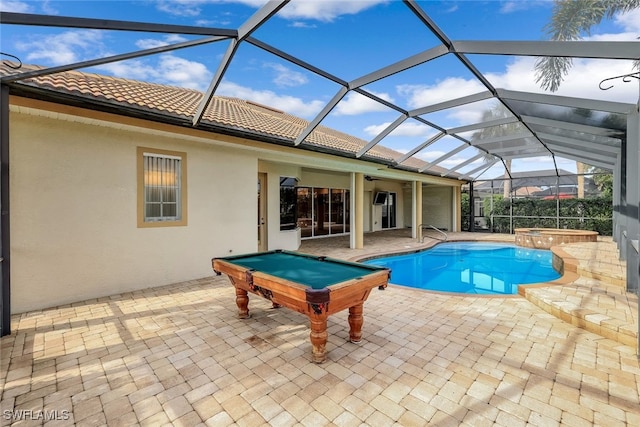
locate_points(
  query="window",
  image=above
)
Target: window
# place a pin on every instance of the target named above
(288, 200)
(380, 198)
(161, 188)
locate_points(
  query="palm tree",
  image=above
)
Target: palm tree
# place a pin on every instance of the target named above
(571, 19)
(497, 112)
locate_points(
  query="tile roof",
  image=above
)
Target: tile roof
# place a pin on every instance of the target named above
(231, 113)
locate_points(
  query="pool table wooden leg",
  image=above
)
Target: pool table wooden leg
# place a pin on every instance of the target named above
(355, 323)
(242, 301)
(319, 337)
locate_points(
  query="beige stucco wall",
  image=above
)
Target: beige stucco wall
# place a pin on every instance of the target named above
(74, 233)
(437, 207)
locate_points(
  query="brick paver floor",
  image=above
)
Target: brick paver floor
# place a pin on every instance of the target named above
(178, 355)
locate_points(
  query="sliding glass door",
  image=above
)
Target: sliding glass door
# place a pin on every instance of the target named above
(322, 211)
(389, 211)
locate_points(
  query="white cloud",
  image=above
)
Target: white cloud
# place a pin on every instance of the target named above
(289, 104)
(325, 11)
(152, 43)
(191, 8)
(48, 8)
(582, 81)
(355, 103)
(133, 69)
(629, 21)
(169, 69)
(317, 10)
(299, 24)
(15, 6)
(519, 5)
(429, 156)
(184, 73)
(406, 129)
(285, 76)
(450, 88)
(180, 7)
(447, 89)
(63, 48)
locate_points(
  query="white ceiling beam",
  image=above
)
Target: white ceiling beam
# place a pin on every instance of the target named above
(504, 138)
(261, 16)
(566, 101)
(585, 146)
(538, 149)
(558, 149)
(569, 49)
(463, 164)
(400, 66)
(483, 125)
(397, 122)
(420, 147)
(444, 157)
(579, 156)
(469, 175)
(321, 115)
(576, 127)
(481, 96)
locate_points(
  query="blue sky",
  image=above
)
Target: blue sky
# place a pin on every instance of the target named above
(345, 38)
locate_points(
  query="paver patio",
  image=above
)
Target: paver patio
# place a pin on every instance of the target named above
(179, 355)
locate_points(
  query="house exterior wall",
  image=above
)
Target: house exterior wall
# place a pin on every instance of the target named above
(74, 226)
(73, 220)
(437, 207)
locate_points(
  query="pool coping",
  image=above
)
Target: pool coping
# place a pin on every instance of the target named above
(550, 296)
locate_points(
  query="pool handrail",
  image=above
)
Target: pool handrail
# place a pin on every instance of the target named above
(421, 226)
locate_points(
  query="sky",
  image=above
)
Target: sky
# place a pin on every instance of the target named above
(347, 39)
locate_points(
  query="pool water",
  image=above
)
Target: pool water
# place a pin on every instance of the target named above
(470, 268)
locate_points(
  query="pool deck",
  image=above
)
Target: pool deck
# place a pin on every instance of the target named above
(178, 355)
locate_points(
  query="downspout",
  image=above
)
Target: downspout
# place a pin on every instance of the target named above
(5, 247)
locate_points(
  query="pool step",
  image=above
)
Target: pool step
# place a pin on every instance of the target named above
(594, 296)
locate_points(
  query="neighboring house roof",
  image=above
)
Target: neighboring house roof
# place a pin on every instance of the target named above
(176, 104)
(527, 191)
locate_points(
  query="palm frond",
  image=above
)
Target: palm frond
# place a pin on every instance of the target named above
(570, 20)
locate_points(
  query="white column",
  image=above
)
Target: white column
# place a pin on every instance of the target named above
(416, 203)
(356, 236)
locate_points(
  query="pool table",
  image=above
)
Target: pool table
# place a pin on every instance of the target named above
(316, 286)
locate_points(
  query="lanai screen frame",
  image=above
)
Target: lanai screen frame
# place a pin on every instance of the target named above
(612, 149)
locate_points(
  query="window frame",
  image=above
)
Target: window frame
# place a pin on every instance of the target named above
(288, 203)
(142, 221)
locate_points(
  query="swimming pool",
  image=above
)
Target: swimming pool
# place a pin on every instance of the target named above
(470, 268)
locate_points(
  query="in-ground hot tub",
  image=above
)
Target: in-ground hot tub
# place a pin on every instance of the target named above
(544, 238)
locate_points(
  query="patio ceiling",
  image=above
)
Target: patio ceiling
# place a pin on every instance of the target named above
(524, 124)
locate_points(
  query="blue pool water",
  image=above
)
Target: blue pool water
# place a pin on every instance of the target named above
(470, 267)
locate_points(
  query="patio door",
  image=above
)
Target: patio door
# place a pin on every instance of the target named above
(262, 212)
(389, 211)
